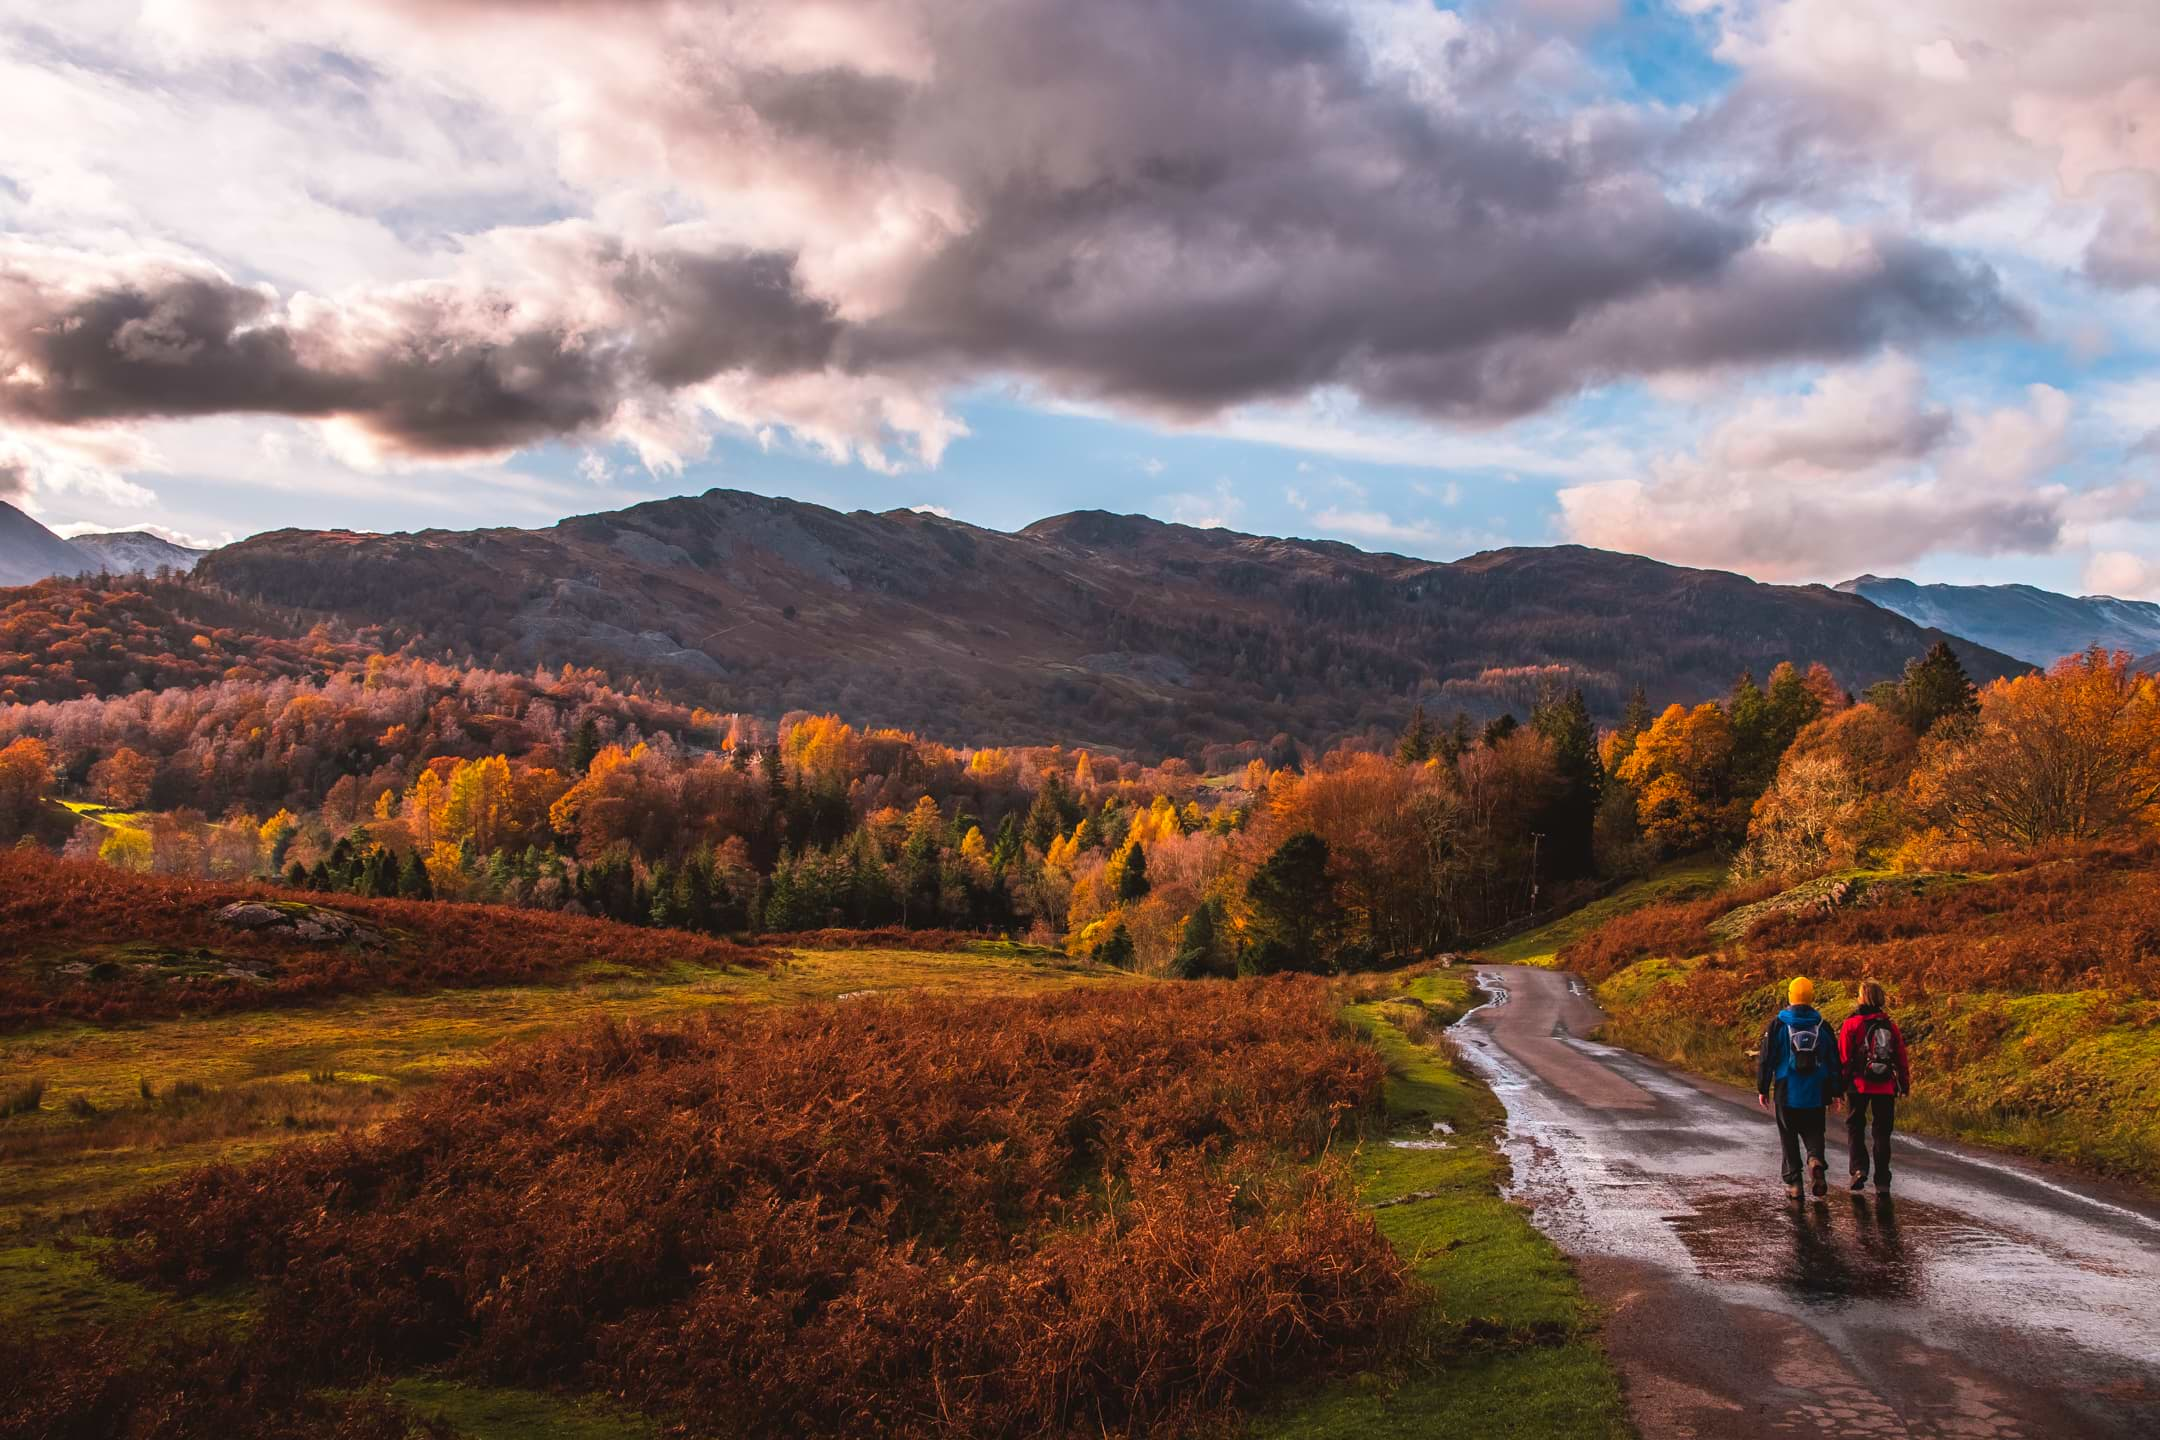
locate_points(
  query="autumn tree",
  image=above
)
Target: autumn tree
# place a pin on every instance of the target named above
(25, 777)
(123, 778)
(1680, 770)
(2073, 754)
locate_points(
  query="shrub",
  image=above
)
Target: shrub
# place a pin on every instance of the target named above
(89, 1386)
(24, 1099)
(1675, 929)
(51, 909)
(1094, 1213)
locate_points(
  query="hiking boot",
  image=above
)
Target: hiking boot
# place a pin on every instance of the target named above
(1882, 1187)
(1818, 1177)
(1859, 1181)
(1792, 1192)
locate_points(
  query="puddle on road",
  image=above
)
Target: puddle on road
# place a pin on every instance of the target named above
(1847, 1247)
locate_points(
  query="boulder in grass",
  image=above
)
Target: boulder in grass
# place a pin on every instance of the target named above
(302, 924)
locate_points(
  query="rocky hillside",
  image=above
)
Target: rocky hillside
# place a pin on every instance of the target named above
(1099, 629)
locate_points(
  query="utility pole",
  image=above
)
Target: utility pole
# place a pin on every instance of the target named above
(1537, 840)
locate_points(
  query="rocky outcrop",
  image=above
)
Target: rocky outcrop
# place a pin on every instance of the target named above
(300, 923)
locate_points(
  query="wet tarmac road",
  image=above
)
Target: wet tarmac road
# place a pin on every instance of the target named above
(1983, 1298)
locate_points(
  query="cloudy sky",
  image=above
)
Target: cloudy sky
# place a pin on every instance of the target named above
(1800, 288)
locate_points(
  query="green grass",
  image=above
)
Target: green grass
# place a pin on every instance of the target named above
(2067, 1076)
(50, 1286)
(1506, 1345)
(1685, 879)
(482, 1412)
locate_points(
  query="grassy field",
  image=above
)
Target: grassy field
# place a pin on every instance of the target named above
(1507, 1347)
(1686, 879)
(1504, 1344)
(128, 1106)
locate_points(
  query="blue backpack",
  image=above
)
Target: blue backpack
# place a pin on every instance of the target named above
(1803, 1046)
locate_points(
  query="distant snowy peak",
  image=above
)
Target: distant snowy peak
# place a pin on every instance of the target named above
(136, 551)
(2035, 625)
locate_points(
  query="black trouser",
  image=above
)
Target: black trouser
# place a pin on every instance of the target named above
(1884, 1110)
(1797, 1126)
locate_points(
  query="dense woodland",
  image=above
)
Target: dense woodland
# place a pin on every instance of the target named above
(61, 639)
(398, 777)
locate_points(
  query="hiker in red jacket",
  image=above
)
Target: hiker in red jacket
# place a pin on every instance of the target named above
(1873, 1051)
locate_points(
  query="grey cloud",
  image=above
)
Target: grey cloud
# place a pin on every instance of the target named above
(1185, 207)
(427, 371)
(1756, 309)
(1180, 207)
(14, 483)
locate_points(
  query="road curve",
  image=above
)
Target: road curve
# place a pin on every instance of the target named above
(1986, 1298)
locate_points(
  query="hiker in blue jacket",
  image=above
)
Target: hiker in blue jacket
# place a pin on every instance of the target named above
(1798, 1075)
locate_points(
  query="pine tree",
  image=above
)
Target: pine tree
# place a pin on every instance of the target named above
(1497, 731)
(1569, 823)
(1936, 688)
(1294, 914)
(1131, 878)
(1456, 743)
(1200, 951)
(1418, 742)
(413, 882)
(1117, 949)
(584, 745)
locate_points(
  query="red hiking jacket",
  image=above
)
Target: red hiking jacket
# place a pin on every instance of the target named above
(1852, 1047)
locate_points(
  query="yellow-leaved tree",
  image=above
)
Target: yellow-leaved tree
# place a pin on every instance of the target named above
(1679, 769)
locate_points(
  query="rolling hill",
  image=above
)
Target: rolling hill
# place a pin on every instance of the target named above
(2035, 625)
(1105, 630)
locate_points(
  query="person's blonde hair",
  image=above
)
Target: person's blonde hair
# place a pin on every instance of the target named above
(1871, 993)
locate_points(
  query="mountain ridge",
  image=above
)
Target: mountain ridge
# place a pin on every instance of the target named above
(1118, 631)
(29, 551)
(2035, 625)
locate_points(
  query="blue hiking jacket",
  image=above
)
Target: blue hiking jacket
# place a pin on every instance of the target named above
(1774, 1061)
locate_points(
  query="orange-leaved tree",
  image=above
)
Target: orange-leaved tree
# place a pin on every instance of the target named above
(2070, 755)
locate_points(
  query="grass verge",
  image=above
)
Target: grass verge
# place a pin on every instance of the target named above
(2066, 1076)
(1685, 879)
(1507, 1346)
